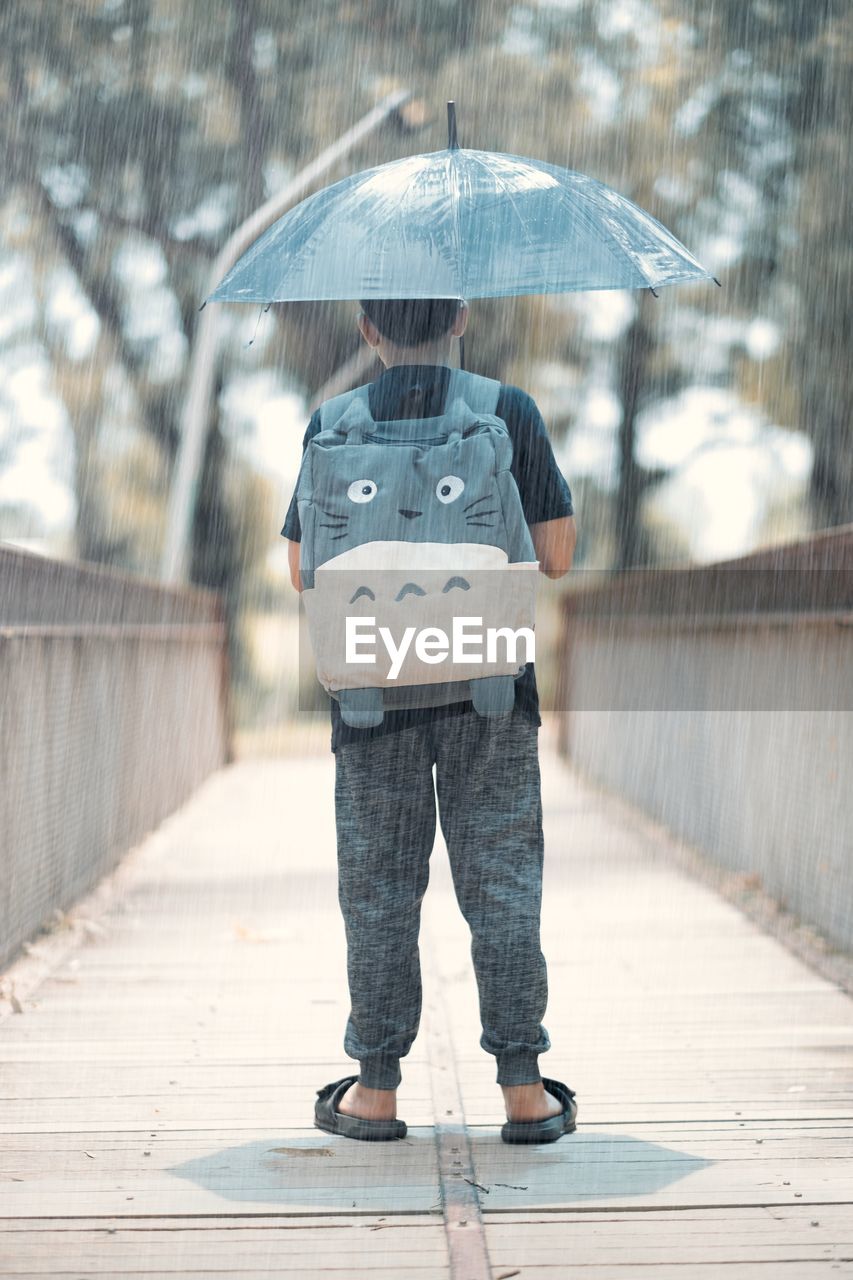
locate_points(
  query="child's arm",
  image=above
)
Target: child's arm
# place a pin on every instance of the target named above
(545, 495)
(293, 563)
(554, 541)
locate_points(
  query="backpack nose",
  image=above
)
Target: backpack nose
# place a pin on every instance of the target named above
(408, 513)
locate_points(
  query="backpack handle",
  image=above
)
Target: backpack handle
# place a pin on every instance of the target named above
(356, 424)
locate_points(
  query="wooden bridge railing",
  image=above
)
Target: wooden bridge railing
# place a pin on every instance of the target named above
(719, 698)
(113, 708)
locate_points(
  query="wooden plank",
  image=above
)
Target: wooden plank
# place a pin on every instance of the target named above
(37, 1094)
(104, 1247)
(812, 1269)
(664, 1009)
(267, 1263)
(43, 1073)
(833, 1224)
(25, 1047)
(592, 1170)
(683, 1241)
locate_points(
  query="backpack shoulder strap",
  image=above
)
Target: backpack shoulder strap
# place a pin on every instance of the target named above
(480, 394)
(332, 410)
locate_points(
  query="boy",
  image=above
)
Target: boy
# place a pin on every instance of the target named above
(487, 783)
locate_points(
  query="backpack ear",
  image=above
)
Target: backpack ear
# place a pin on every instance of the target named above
(459, 417)
(354, 422)
(503, 450)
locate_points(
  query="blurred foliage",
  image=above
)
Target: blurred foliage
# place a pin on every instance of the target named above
(124, 118)
(794, 62)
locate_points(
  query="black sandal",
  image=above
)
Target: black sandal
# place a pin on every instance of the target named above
(553, 1127)
(328, 1118)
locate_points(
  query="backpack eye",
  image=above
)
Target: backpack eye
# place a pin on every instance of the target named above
(362, 491)
(449, 488)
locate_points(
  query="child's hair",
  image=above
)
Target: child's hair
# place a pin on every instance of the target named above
(410, 321)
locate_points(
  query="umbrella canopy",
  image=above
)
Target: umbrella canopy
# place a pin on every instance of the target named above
(458, 223)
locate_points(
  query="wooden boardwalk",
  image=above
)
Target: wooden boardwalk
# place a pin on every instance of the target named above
(159, 1079)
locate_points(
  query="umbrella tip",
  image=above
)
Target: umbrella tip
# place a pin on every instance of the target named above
(716, 281)
(452, 141)
(203, 305)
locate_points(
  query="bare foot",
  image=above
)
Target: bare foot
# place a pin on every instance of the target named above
(369, 1104)
(526, 1102)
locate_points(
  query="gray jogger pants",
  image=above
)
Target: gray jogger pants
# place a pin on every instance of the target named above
(487, 783)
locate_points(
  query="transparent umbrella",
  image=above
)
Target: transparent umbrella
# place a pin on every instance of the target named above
(458, 223)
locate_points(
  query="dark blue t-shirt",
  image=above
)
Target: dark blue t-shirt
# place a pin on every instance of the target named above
(418, 391)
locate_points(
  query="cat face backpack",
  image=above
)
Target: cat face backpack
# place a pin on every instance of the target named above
(418, 569)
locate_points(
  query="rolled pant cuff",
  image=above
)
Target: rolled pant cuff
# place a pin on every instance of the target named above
(380, 1073)
(518, 1068)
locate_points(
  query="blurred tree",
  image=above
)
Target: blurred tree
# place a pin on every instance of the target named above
(778, 113)
(820, 262)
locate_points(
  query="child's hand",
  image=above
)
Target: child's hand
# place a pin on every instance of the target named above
(554, 541)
